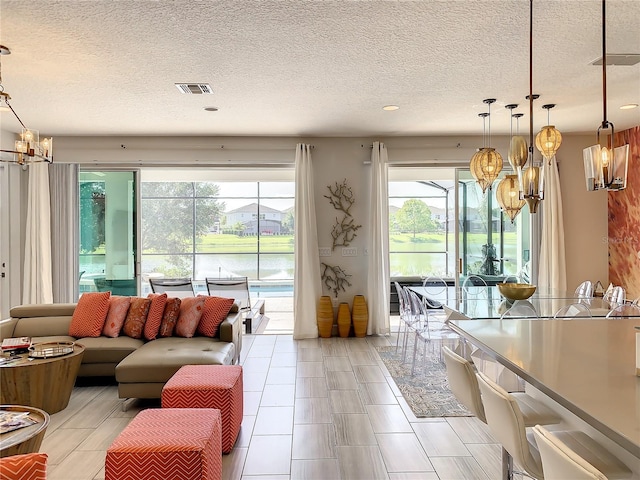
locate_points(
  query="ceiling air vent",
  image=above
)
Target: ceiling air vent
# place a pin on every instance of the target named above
(194, 88)
(619, 59)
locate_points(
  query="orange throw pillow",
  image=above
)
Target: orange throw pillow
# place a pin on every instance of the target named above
(190, 313)
(89, 316)
(215, 311)
(170, 317)
(118, 308)
(138, 311)
(154, 319)
(29, 466)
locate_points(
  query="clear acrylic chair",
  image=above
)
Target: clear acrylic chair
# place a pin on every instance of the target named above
(626, 310)
(615, 296)
(436, 292)
(573, 310)
(474, 286)
(584, 290)
(404, 312)
(521, 309)
(176, 287)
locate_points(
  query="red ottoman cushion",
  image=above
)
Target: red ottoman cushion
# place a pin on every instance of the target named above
(209, 386)
(172, 444)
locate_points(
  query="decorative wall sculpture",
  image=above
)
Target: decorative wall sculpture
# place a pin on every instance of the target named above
(344, 230)
(334, 278)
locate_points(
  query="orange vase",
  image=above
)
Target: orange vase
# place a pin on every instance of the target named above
(324, 316)
(360, 316)
(344, 319)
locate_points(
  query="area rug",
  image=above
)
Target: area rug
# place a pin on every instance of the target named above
(427, 392)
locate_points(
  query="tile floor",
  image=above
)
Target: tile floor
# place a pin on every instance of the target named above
(314, 409)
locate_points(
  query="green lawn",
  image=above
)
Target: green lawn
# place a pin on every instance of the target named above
(226, 243)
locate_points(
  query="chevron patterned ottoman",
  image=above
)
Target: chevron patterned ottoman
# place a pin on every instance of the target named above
(167, 443)
(209, 386)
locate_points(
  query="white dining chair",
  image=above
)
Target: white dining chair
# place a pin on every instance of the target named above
(507, 424)
(463, 383)
(572, 455)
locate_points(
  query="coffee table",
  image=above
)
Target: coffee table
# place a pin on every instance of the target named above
(42, 383)
(26, 439)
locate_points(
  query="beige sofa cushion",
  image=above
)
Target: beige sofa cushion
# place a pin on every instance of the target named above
(42, 326)
(107, 349)
(158, 360)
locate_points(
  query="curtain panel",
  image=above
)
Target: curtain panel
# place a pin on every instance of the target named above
(378, 284)
(552, 271)
(307, 287)
(63, 184)
(37, 281)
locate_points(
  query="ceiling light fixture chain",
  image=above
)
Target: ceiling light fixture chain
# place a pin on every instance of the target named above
(605, 166)
(29, 149)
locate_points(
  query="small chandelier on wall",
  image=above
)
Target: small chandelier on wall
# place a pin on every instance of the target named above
(29, 149)
(605, 166)
(486, 163)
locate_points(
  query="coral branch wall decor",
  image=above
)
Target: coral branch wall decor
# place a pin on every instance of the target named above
(334, 278)
(344, 230)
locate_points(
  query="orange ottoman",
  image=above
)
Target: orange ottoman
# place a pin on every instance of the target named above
(172, 444)
(209, 386)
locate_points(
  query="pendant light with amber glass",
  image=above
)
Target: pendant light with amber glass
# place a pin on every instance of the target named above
(507, 192)
(486, 163)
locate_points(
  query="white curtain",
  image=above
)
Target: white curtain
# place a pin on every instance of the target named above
(307, 284)
(378, 283)
(37, 284)
(63, 184)
(552, 271)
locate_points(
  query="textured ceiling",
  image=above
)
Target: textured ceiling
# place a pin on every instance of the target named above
(312, 68)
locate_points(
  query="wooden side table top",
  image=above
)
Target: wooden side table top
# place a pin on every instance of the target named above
(26, 439)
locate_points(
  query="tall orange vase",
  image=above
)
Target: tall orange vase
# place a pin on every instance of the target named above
(360, 316)
(344, 319)
(324, 316)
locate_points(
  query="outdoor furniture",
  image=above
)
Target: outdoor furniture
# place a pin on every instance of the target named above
(176, 287)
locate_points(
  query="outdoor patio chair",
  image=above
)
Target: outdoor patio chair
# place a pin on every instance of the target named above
(176, 287)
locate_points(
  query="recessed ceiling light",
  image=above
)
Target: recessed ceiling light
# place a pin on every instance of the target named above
(211, 109)
(390, 108)
(629, 106)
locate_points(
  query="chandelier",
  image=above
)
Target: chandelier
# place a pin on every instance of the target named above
(29, 149)
(605, 167)
(486, 163)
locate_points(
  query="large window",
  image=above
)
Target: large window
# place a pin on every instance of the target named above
(219, 229)
(421, 222)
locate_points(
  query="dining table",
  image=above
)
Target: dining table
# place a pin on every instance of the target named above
(586, 366)
(487, 302)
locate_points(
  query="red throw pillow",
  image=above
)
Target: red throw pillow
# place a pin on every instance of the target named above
(89, 316)
(154, 319)
(118, 308)
(190, 313)
(215, 311)
(138, 311)
(170, 317)
(32, 466)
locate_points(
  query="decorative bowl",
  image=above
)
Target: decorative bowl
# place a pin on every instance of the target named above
(516, 291)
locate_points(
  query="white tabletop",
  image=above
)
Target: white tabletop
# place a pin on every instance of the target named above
(587, 366)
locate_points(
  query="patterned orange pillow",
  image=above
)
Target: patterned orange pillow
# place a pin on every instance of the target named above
(89, 316)
(138, 311)
(118, 308)
(154, 319)
(29, 466)
(215, 311)
(190, 313)
(170, 317)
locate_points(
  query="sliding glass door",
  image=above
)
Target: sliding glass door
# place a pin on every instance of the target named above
(108, 233)
(490, 246)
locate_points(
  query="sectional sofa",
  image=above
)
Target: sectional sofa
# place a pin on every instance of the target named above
(140, 367)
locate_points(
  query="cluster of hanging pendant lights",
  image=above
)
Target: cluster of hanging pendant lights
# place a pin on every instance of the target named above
(526, 185)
